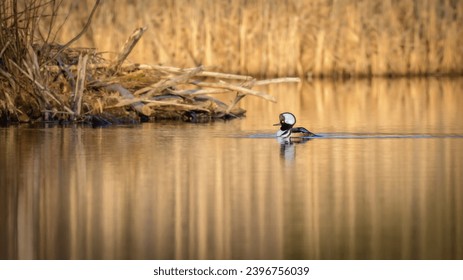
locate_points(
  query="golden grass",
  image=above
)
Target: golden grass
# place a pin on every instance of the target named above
(44, 81)
(263, 38)
(280, 38)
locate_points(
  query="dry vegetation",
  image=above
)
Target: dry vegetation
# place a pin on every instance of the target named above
(41, 80)
(279, 38)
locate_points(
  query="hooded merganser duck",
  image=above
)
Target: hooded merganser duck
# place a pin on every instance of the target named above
(287, 121)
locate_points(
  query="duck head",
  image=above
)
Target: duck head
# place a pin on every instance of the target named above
(287, 121)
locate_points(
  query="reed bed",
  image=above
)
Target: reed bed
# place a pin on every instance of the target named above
(285, 38)
(41, 80)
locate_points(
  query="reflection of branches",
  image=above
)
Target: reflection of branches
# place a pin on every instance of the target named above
(87, 24)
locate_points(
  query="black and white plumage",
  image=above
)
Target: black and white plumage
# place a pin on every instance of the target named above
(287, 121)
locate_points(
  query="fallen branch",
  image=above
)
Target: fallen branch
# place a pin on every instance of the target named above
(236, 88)
(80, 84)
(277, 81)
(136, 104)
(159, 68)
(126, 49)
(177, 70)
(164, 84)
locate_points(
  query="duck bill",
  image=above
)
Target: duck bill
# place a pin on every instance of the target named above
(276, 124)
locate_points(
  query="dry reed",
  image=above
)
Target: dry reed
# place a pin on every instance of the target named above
(44, 81)
(281, 38)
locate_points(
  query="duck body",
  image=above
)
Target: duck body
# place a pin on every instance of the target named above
(287, 122)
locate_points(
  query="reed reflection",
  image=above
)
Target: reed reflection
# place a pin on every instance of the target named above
(193, 191)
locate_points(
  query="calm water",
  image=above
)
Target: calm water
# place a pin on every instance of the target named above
(228, 190)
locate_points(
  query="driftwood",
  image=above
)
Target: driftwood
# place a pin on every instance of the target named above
(129, 99)
(127, 48)
(80, 86)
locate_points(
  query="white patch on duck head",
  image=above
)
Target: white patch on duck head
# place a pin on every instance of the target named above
(287, 118)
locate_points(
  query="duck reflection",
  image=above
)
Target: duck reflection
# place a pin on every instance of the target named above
(288, 146)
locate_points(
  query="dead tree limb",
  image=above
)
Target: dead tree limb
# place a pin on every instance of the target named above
(80, 84)
(126, 49)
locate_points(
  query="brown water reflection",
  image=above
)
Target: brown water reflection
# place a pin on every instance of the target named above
(213, 191)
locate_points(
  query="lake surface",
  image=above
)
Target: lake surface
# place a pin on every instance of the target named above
(229, 190)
